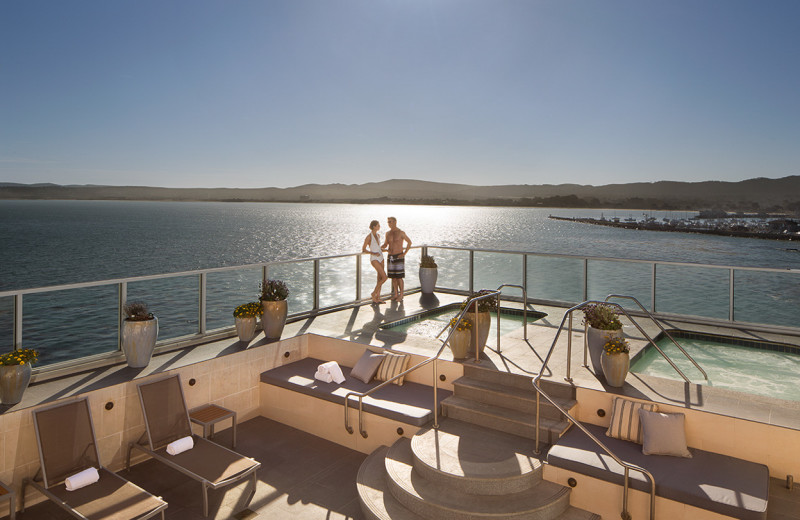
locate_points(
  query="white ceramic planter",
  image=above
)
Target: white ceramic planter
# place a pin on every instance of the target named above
(14, 379)
(482, 323)
(138, 341)
(274, 318)
(596, 338)
(459, 343)
(615, 368)
(246, 328)
(427, 279)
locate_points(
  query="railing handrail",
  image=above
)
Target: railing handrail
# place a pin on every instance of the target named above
(432, 359)
(654, 320)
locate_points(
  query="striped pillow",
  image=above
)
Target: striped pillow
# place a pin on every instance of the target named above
(625, 423)
(392, 365)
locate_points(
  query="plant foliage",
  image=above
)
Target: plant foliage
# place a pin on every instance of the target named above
(485, 305)
(137, 311)
(427, 261)
(248, 310)
(616, 346)
(465, 324)
(274, 290)
(23, 356)
(601, 316)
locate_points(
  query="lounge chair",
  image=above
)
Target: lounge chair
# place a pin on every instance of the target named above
(67, 445)
(166, 419)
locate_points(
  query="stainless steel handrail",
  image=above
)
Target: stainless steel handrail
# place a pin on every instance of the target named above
(690, 358)
(524, 311)
(432, 359)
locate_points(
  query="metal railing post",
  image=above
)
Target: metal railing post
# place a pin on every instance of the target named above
(17, 321)
(123, 297)
(201, 319)
(265, 272)
(498, 322)
(525, 281)
(316, 283)
(653, 290)
(585, 279)
(730, 297)
(471, 271)
(358, 277)
(435, 395)
(569, 350)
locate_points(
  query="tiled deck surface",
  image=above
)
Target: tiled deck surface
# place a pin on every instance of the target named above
(301, 476)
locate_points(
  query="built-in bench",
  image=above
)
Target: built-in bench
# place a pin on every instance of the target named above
(719, 483)
(411, 403)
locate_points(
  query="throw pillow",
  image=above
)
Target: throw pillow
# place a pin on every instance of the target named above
(664, 434)
(625, 423)
(366, 366)
(392, 365)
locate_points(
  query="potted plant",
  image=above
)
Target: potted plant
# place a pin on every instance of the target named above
(603, 323)
(15, 374)
(139, 334)
(460, 338)
(246, 318)
(616, 361)
(481, 318)
(273, 300)
(428, 273)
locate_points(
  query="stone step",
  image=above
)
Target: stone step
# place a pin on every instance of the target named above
(503, 419)
(377, 503)
(522, 382)
(471, 459)
(522, 400)
(432, 500)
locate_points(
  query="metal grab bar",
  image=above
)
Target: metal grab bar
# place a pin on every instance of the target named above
(524, 311)
(690, 358)
(432, 359)
(625, 514)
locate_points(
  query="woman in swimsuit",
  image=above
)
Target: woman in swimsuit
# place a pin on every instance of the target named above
(372, 245)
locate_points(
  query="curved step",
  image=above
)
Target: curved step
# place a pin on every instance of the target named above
(435, 501)
(474, 460)
(377, 503)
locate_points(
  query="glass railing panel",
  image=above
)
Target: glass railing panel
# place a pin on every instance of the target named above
(71, 324)
(412, 270)
(6, 324)
(692, 291)
(555, 279)
(337, 281)
(495, 269)
(766, 297)
(225, 290)
(299, 277)
(626, 278)
(453, 268)
(174, 301)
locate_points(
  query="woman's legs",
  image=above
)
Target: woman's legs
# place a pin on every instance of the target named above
(376, 294)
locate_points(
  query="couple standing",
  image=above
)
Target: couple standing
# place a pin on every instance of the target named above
(396, 263)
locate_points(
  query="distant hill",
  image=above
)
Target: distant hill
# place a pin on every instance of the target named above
(750, 195)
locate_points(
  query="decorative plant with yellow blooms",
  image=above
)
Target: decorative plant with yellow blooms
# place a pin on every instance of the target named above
(616, 346)
(248, 310)
(464, 325)
(23, 356)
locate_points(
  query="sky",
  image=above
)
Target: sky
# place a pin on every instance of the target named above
(261, 93)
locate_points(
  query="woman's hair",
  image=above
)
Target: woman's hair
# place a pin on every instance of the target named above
(373, 224)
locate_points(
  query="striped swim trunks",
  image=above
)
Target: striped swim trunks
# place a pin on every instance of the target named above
(396, 267)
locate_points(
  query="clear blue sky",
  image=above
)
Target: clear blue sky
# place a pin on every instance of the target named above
(250, 93)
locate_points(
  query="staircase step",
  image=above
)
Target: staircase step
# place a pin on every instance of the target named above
(522, 400)
(435, 501)
(522, 382)
(503, 419)
(377, 503)
(475, 460)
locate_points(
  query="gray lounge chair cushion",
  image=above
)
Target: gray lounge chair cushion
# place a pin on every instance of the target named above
(719, 483)
(411, 403)
(366, 366)
(664, 434)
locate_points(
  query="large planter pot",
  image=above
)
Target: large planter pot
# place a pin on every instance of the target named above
(14, 379)
(274, 318)
(138, 341)
(481, 324)
(615, 368)
(246, 328)
(427, 279)
(459, 343)
(596, 338)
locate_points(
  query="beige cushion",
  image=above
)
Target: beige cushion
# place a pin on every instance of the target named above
(664, 434)
(366, 366)
(392, 365)
(625, 423)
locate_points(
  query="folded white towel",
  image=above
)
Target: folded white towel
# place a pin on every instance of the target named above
(82, 479)
(332, 367)
(181, 445)
(323, 376)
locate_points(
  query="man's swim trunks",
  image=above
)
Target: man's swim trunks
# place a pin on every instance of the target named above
(396, 267)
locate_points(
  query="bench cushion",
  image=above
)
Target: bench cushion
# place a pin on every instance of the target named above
(411, 403)
(711, 481)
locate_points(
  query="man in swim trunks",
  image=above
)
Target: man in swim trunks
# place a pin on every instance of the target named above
(396, 266)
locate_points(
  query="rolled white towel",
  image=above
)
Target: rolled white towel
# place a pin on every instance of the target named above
(82, 479)
(181, 445)
(332, 367)
(323, 376)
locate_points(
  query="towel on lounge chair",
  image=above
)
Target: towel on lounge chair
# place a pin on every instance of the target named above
(82, 479)
(181, 445)
(330, 371)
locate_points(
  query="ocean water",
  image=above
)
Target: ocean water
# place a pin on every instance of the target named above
(47, 243)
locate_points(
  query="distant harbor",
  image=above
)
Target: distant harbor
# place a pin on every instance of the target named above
(770, 227)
